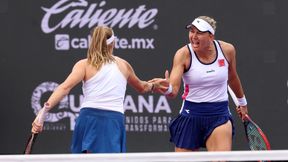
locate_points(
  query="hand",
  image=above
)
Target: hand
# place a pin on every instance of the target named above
(161, 85)
(37, 125)
(242, 111)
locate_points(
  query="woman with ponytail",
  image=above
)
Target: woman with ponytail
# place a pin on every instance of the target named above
(100, 126)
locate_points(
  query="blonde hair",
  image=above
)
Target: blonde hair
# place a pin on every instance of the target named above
(209, 20)
(99, 52)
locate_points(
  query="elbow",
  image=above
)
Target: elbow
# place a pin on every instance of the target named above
(64, 89)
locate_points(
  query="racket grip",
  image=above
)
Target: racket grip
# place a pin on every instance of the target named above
(30, 143)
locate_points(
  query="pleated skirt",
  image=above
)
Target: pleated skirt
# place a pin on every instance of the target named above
(99, 131)
(196, 121)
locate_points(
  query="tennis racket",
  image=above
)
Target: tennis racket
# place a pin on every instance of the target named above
(30, 143)
(256, 138)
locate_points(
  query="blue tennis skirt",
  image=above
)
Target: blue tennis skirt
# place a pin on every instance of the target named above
(196, 121)
(99, 131)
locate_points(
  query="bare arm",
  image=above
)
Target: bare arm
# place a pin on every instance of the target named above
(179, 63)
(233, 78)
(132, 79)
(77, 74)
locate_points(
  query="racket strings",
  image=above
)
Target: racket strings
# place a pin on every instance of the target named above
(256, 141)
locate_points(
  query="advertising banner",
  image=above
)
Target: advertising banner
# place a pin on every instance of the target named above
(42, 40)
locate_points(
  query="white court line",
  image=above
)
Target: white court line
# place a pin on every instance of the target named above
(152, 157)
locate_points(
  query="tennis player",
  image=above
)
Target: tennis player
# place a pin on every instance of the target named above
(100, 125)
(206, 66)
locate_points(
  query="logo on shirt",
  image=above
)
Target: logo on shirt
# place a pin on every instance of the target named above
(210, 71)
(221, 62)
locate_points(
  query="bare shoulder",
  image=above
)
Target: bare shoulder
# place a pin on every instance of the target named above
(121, 62)
(182, 58)
(182, 52)
(123, 66)
(228, 49)
(227, 46)
(81, 63)
(119, 59)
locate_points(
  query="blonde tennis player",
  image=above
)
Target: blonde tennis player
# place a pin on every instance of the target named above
(100, 125)
(206, 67)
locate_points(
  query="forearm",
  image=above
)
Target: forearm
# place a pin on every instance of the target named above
(59, 93)
(236, 86)
(175, 82)
(145, 87)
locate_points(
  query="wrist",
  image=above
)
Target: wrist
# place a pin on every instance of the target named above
(242, 101)
(46, 107)
(169, 90)
(43, 113)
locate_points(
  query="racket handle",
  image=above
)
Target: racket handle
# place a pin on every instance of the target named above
(30, 143)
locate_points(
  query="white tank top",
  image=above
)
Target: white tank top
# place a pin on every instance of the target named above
(106, 89)
(206, 82)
